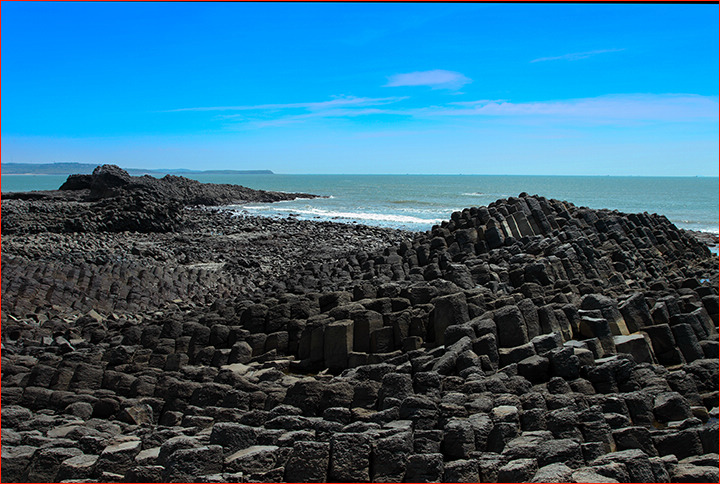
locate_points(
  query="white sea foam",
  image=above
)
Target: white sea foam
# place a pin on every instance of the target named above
(377, 217)
(253, 207)
(710, 230)
(700, 227)
(475, 194)
(334, 215)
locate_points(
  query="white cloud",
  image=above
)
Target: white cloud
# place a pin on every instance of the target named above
(437, 79)
(329, 113)
(576, 55)
(625, 107)
(618, 109)
(313, 106)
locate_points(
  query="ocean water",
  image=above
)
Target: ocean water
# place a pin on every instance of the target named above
(417, 202)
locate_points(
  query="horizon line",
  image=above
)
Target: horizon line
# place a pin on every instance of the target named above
(200, 172)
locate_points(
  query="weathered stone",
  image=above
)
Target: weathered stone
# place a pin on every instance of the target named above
(501, 434)
(681, 443)
(564, 363)
(565, 451)
(671, 406)
(515, 354)
(350, 458)
(13, 415)
(634, 438)
(305, 395)
(456, 332)
(395, 385)
(461, 471)
(424, 468)
(546, 342)
(636, 313)
(635, 461)
(693, 473)
(519, 470)
(554, 473)
(663, 343)
(233, 436)
(186, 465)
(638, 345)
(389, 457)
(338, 344)
(46, 463)
(252, 460)
(119, 456)
(308, 462)
(80, 467)
(534, 368)
(609, 309)
(487, 345)
(15, 461)
(511, 328)
(449, 310)
(687, 342)
(459, 439)
(598, 328)
(589, 475)
(365, 322)
(382, 340)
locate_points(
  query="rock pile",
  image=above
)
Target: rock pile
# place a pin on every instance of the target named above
(527, 341)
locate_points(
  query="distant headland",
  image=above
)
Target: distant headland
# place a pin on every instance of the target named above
(87, 168)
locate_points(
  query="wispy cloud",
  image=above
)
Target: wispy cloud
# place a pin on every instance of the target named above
(576, 55)
(330, 113)
(340, 101)
(437, 79)
(618, 109)
(281, 114)
(604, 109)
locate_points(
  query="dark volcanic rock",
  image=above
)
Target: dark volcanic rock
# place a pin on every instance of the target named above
(530, 340)
(110, 200)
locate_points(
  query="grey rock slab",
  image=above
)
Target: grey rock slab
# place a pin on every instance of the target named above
(46, 463)
(350, 457)
(518, 470)
(424, 468)
(79, 467)
(15, 461)
(557, 472)
(461, 471)
(308, 462)
(186, 465)
(636, 462)
(254, 459)
(588, 475)
(119, 457)
(459, 439)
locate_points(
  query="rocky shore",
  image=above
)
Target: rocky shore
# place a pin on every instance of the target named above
(148, 337)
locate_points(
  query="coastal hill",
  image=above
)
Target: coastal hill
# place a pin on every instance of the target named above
(87, 168)
(529, 340)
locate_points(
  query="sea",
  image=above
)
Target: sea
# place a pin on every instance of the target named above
(417, 202)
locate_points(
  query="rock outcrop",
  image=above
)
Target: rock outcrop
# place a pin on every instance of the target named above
(110, 200)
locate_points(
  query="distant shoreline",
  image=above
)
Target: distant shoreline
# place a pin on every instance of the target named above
(66, 169)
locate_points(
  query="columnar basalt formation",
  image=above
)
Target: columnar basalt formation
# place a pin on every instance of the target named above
(530, 340)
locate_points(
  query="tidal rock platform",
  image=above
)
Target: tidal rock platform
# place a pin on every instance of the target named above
(527, 341)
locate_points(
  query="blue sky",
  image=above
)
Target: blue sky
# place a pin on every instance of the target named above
(576, 89)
